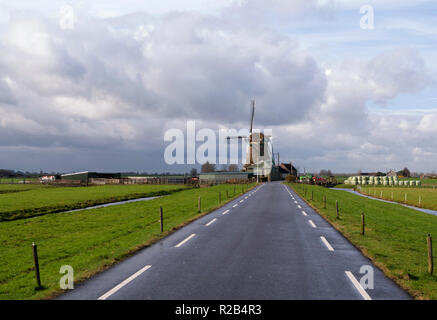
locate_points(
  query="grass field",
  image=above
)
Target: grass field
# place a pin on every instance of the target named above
(418, 197)
(395, 236)
(23, 201)
(91, 240)
(10, 188)
(17, 180)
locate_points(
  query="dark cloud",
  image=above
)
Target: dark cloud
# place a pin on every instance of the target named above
(101, 96)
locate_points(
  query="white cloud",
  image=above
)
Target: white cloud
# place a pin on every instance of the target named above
(110, 87)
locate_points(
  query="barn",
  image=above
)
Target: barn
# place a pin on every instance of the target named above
(87, 175)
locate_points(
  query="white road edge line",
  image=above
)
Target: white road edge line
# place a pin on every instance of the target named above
(358, 286)
(226, 212)
(241, 201)
(211, 222)
(330, 248)
(299, 206)
(122, 284)
(183, 241)
(312, 224)
(304, 213)
(235, 205)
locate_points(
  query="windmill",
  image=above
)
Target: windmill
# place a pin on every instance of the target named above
(258, 161)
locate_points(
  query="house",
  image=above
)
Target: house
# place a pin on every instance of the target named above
(392, 173)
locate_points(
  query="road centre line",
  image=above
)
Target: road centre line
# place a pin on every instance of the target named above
(330, 248)
(227, 211)
(183, 241)
(312, 224)
(235, 205)
(358, 286)
(211, 222)
(304, 213)
(122, 284)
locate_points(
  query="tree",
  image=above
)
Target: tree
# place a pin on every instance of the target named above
(208, 167)
(193, 172)
(406, 173)
(325, 173)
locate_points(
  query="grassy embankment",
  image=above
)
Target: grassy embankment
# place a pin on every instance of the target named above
(92, 240)
(395, 237)
(418, 197)
(24, 201)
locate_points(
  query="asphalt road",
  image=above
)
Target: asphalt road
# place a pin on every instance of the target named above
(267, 245)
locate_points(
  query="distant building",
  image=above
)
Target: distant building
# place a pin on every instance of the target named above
(222, 177)
(46, 179)
(392, 173)
(288, 169)
(86, 175)
(283, 170)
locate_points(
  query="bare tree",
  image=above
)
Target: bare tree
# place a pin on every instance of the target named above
(208, 167)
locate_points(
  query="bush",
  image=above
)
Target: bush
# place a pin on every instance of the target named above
(290, 178)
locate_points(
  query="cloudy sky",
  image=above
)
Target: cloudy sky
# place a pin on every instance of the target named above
(94, 85)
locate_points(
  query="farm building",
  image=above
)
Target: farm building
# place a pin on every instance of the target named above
(283, 170)
(222, 177)
(86, 176)
(392, 173)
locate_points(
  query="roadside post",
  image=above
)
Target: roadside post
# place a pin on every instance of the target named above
(336, 209)
(199, 205)
(161, 219)
(324, 202)
(430, 257)
(363, 224)
(35, 260)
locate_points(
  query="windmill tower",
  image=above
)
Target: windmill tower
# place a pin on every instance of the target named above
(259, 152)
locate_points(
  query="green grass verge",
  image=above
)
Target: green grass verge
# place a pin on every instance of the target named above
(395, 236)
(427, 196)
(17, 202)
(344, 186)
(92, 240)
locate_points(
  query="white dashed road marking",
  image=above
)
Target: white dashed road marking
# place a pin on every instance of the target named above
(122, 284)
(183, 241)
(211, 222)
(330, 248)
(358, 286)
